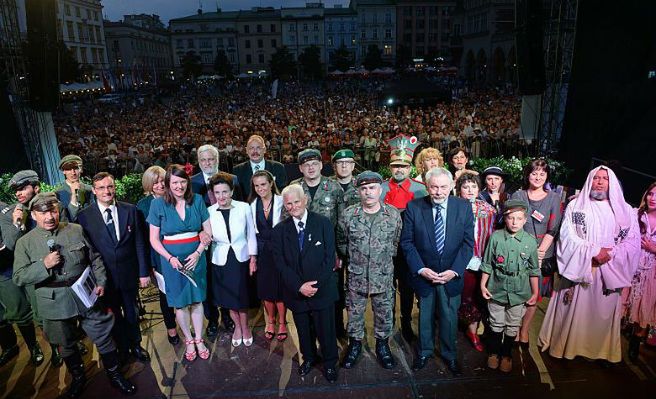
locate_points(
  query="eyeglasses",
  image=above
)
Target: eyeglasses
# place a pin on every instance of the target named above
(344, 163)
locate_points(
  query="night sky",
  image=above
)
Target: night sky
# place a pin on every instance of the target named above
(168, 9)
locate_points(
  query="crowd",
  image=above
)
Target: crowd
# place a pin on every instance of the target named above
(137, 133)
(457, 245)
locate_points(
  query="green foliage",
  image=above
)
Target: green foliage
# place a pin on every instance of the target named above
(191, 65)
(222, 65)
(129, 188)
(373, 59)
(282, 64)
(342, 59)
(403, 56)
(310, 60)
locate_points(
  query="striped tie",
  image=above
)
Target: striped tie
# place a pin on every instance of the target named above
(301, 234)
(439, 229)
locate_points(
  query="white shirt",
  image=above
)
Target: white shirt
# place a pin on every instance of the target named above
(260, 164)
(114, 216)
(207, 178)
(303, 219)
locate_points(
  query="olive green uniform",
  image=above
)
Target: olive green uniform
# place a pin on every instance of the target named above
(328, 199)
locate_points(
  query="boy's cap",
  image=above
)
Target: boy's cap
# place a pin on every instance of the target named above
(514, 205)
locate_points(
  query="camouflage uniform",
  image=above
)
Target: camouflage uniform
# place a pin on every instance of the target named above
(351, 195)
(328, 200)
(369, 242)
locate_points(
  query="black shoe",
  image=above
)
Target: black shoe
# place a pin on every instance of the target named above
(121, 383)
(384, 354)
(229, 324)
(453, 367)
(305, 368)
(173, 340)
(76, 368)
(8, 354)
(81, 348)
(140, 354)
(419, 363)
(36, 355)
(634, 348)
(407, 333)
(352, 354)
(55, 357)
(330, 374)
(211, 331)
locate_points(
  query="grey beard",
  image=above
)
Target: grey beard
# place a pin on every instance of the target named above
(598, 195)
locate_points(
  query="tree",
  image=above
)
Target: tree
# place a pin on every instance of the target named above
(70, 70)
(373, 59)
(282, 63)
(342, 59)
(310, 60)
(403, 56)
(222, 65)
(191, 66)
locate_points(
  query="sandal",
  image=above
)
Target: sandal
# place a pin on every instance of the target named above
(282, 335)
(268, 334)
(203, 354)
(190, 356)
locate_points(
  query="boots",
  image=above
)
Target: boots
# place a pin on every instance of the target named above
(406, 330)
(384, 354)
(8, 342)
(634, 347)
(352, 353)
(111, 364)
(55, 359)
(29, 336)
(76, 368)
(493, 349)
(506, 353)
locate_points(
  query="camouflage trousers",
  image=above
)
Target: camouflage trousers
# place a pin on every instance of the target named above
(381, 304)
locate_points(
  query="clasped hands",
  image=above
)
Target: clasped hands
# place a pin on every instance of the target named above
(602, 257)
(437, 278)
(308, 289)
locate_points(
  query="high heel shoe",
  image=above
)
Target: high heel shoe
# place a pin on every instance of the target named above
(269, 334)
(282, 335)
(203, 354)
(248, 341)
(190, 356)
(236, 342)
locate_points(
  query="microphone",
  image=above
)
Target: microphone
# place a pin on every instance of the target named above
(19, 222)
(52, 247)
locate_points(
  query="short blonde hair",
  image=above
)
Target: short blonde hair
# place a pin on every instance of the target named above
(428, 153)
(150, 177)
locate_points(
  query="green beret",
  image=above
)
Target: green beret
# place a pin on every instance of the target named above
(343, 153)
(70, 159)
(43, 202)
(368, 177)
(514, 205)
(309, 154)
(22, 178)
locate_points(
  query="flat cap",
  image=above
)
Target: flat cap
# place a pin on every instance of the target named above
(67, 162)
(343, 153)
(514, 205)
(22, 178)
(368, 177)
(309, 154)
(43, 202)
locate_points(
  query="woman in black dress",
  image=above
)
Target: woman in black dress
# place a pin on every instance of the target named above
(267, 209)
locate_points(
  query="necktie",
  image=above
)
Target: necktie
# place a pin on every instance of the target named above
(257, 168)
(110, 224)
(301, 234)
(439, 229)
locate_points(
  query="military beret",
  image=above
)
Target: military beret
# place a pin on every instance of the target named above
(343, 153)
(23, 178)
(68, 159)
(514, 205)
(368, 177)
(309, 154)
(43, 202)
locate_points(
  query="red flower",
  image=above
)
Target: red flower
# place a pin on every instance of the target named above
(189, 168)
(500, 259)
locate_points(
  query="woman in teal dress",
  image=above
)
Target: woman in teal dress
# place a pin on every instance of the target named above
(178, 217)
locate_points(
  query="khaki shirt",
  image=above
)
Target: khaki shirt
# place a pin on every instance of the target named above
(328, 200)
(511, 261)
(369, 242)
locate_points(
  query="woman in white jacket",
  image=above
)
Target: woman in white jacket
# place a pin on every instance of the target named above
(234, 252)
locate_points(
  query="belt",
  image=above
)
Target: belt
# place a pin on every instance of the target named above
(58, 284)
(182, 238)
(507, 273)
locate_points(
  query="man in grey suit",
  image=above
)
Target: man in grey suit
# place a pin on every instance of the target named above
(438, 241)
(256, 148)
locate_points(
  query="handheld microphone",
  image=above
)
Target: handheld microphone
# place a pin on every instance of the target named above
(19, 223)
(52, 247)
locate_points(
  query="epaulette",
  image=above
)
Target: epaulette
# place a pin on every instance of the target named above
(5, 210)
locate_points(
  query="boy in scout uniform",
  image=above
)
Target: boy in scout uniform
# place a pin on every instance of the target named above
(72, 193)
(51, 257)
(509, 280)
(368, 236)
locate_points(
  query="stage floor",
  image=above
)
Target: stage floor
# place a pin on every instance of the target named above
(268, 370)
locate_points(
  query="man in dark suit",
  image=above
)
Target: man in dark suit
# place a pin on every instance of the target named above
(208, 161)
(256, 148)
(116, 233)
(304, 252)
(438, 240)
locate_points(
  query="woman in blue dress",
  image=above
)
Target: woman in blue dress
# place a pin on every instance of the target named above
(152, 182)
(178, 217)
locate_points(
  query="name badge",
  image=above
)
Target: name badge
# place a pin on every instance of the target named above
(537, 216)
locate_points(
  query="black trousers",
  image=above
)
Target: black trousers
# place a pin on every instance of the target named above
(323, 321)
(406, 293)
(123, 304)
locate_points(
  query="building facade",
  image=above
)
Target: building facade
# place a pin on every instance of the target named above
(139, 45)
(377, 24)
(424, 27)
(80, 25)
(303, 27)
(341, 29)
(258, 37)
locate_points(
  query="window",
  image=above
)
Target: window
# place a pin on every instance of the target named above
(247, 29)
(77, 12)
(219, 42)
(231, 42)
(363, 34)
(353, 27)
(330, 27)
(205, 43)
(273, 28)
(305, 40)
(352, 39)
(94, 55)
(260, 58)
(274, 43)
(421, 24)
(231, 56)
(92, 37)
(190, 43)
(98, 37)
(407, 38)
(421, 11)
(388, 17)
(388, 33)
(67, 10)
(204, 28)
(249, 59)
(375, 35)
(363, 51)
(316, 39)
(95, 15)
(387, 50)
(341, 27)
(291, 38)
(420, 37)
(71, 32)
(330, 41)
(363, 18)
(260, 43)
(407, 24)
(374, 18)
(101, 55)
(80, 33)
(248, 44)
(292, 28)
(259, 28)
(83, 55)
(89, 18)
(316, 27)
(407, 11)
(432, 24)
(305, 27)
(206, 58)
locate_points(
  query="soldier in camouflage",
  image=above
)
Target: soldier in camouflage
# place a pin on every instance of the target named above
(343, 165)
(368, 236)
